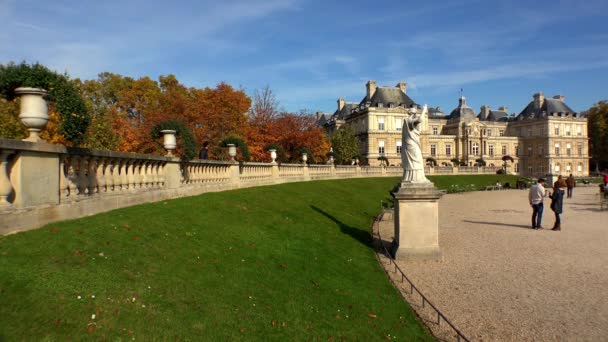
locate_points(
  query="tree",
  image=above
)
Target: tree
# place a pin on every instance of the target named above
(262, 115)
(597, 128)
(73, 118)
(186, 145)
(345, 145)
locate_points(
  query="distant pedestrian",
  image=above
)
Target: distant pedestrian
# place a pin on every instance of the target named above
(570, 183)
(557, 201)
(204, 153)
(535, 197)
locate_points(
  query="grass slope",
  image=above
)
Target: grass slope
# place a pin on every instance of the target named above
(287, 262)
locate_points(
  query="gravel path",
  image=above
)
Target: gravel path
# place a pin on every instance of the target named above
(501, 281)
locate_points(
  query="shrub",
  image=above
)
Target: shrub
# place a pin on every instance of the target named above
(280, 151)
(238, 142)
(65, 98)
(181, 131)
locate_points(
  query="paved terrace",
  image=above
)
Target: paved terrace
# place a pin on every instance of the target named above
(501, 281)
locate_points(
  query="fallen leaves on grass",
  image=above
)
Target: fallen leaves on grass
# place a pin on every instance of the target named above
(372, 316)
(54, 230)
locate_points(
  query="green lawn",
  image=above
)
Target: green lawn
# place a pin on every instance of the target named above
(287, 262)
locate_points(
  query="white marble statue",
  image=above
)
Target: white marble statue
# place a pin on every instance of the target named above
(411, 154)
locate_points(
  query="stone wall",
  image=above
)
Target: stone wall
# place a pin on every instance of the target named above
(42, 183)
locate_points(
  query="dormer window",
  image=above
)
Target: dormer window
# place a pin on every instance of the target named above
(380, 105)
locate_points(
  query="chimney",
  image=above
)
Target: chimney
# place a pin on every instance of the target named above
(559, 97)
(319, 115)
(485, 112)
(340, 104)
(539, 99)
(402, 86)
(371, 89)
(503, 108)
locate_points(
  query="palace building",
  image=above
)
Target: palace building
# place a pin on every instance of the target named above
(546, 137)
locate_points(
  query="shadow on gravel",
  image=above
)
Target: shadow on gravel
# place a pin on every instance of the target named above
(499, 224)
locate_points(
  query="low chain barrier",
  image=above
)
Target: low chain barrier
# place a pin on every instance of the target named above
(440, 316)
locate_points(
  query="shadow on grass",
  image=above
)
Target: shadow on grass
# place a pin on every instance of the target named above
(499, 224)
(358, 234)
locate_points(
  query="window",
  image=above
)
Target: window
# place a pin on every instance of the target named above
(529, 170)
(567, 129)
(398, 124)
(541, 150)
(381, 123)
(579, 168)
(568, 150)
(381, 147)
(516, 167)
(556, 128)
(579, 147)
(501, 132)
(568, 167)
(578, 130)
(540, 169)
(516, 150)
(475, 149)
(557, 167)
(489, 132)
(448, 150)
(504, 150)
(380, 105)
(529, 151)
(529, 132)
(491, 150)
(399, 147)
(557, 149)
(433, 150)
(435, 131)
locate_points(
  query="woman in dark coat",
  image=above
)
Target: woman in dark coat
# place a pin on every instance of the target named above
(557, 201)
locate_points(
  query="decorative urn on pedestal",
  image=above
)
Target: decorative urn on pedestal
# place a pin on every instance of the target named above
(34, 111)
(232, 151)
(169, 141)
(273, 155)
(304, 157)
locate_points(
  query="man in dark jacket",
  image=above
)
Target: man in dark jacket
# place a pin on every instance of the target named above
(557, 201)
(571, 183)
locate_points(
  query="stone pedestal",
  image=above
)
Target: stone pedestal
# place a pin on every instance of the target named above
(417, 222)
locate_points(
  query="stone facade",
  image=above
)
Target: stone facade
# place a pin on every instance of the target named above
(547, 136)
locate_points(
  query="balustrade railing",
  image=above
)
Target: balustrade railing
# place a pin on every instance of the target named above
(291, 170)
(201, 172)
(86, 175)
(320, 171)
(256, 172)
(39, 176)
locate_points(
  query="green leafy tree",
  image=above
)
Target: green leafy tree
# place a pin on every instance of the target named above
(187, 148)
(597, 129)
(345, 145)
(63, 95)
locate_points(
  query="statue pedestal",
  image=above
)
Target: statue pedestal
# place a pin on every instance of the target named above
(417, 222)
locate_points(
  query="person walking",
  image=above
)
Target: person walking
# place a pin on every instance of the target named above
(570, 184)
(204, 153)
(535, 197)
(557, 201)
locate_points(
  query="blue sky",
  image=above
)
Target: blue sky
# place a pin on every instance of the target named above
(312, 52)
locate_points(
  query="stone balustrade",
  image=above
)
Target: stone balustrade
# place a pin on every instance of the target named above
(42, 183)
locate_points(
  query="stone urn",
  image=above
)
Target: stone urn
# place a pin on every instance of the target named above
(304, 157)
(169, 141)
(273, 155)
(34, 111)
(232, 151)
